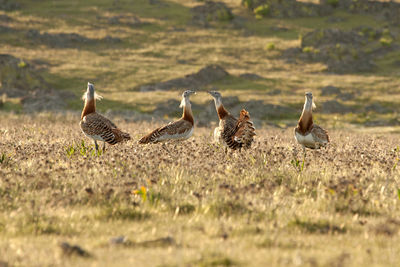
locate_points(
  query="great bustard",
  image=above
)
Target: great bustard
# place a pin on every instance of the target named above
(96, 126)
(308, 134)
(232, 132)
(179, 130)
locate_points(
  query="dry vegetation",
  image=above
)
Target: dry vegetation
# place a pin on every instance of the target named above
(193, 205)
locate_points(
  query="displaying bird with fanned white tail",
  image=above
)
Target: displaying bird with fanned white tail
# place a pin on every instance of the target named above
(181, 129)
(231, 132)
(308, 134)
(96, 126)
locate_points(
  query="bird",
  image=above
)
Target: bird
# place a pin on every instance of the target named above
(308, 134)
(231, 132)
(179, 130)
(96, 126)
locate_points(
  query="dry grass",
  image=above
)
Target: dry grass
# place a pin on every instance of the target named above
(192, 204)
(202, 207)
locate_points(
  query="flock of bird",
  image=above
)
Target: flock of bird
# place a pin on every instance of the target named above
(233, 133)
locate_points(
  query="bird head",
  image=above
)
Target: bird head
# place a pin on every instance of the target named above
(309, 100)
(185, 97)
(90, 93)
(217, 97)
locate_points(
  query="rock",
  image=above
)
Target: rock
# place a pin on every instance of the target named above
(5, 18)
(169, 107)
(9, 5)
(378, 108)
(204, 15)
(346, 96)
(344, 51)
(66, 40)
(127, 20)
(274, 92)
(159, 242)
(205, 76)
(278, 29)
(17, 77)
(73, 250)
(118, 240)
(330, 90)
(335, 19)
(251, 76)
(44, 100)
(333, 106)
(20, 79)
(318, 38)
(289, 8)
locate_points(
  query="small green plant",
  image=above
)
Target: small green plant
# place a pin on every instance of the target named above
(396, 161)
(270, 47)
(22, 64)
(4, 159)
(83, 148)
(297, 164)
(398, 193)
(97, 153)
(385, 41)
(261, 11)
(307, 49)
(70, 151)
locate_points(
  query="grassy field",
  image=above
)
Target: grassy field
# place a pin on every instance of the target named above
(192, 204)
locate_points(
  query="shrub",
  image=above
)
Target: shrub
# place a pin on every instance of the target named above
(261, 11)
(270, 46)
(384, 41)
(22, 64)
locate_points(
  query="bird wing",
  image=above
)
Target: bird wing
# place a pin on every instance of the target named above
(228, 126)
(320, 135)
(176, 130)
(245, 130)
(95, 124)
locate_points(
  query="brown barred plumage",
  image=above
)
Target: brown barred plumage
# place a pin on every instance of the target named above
(308, 134)
(232, 132)
(96, 126)
(179, 130)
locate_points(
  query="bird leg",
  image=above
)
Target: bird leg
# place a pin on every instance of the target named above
(104, 146)
(96, 146)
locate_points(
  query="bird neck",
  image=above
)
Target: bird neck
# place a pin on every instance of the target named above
(222, 112)
(306, 120)
(187, 112)
(90, 107)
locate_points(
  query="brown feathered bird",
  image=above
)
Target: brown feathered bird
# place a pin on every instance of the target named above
(232, 132)
(96, 126)
(308, 134)
(179, 130)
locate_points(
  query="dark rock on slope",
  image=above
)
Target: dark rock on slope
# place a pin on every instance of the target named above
(19, 79)
(205, 76)
(204, 15)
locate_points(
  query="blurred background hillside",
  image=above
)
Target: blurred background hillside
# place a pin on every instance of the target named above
(261, 54)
